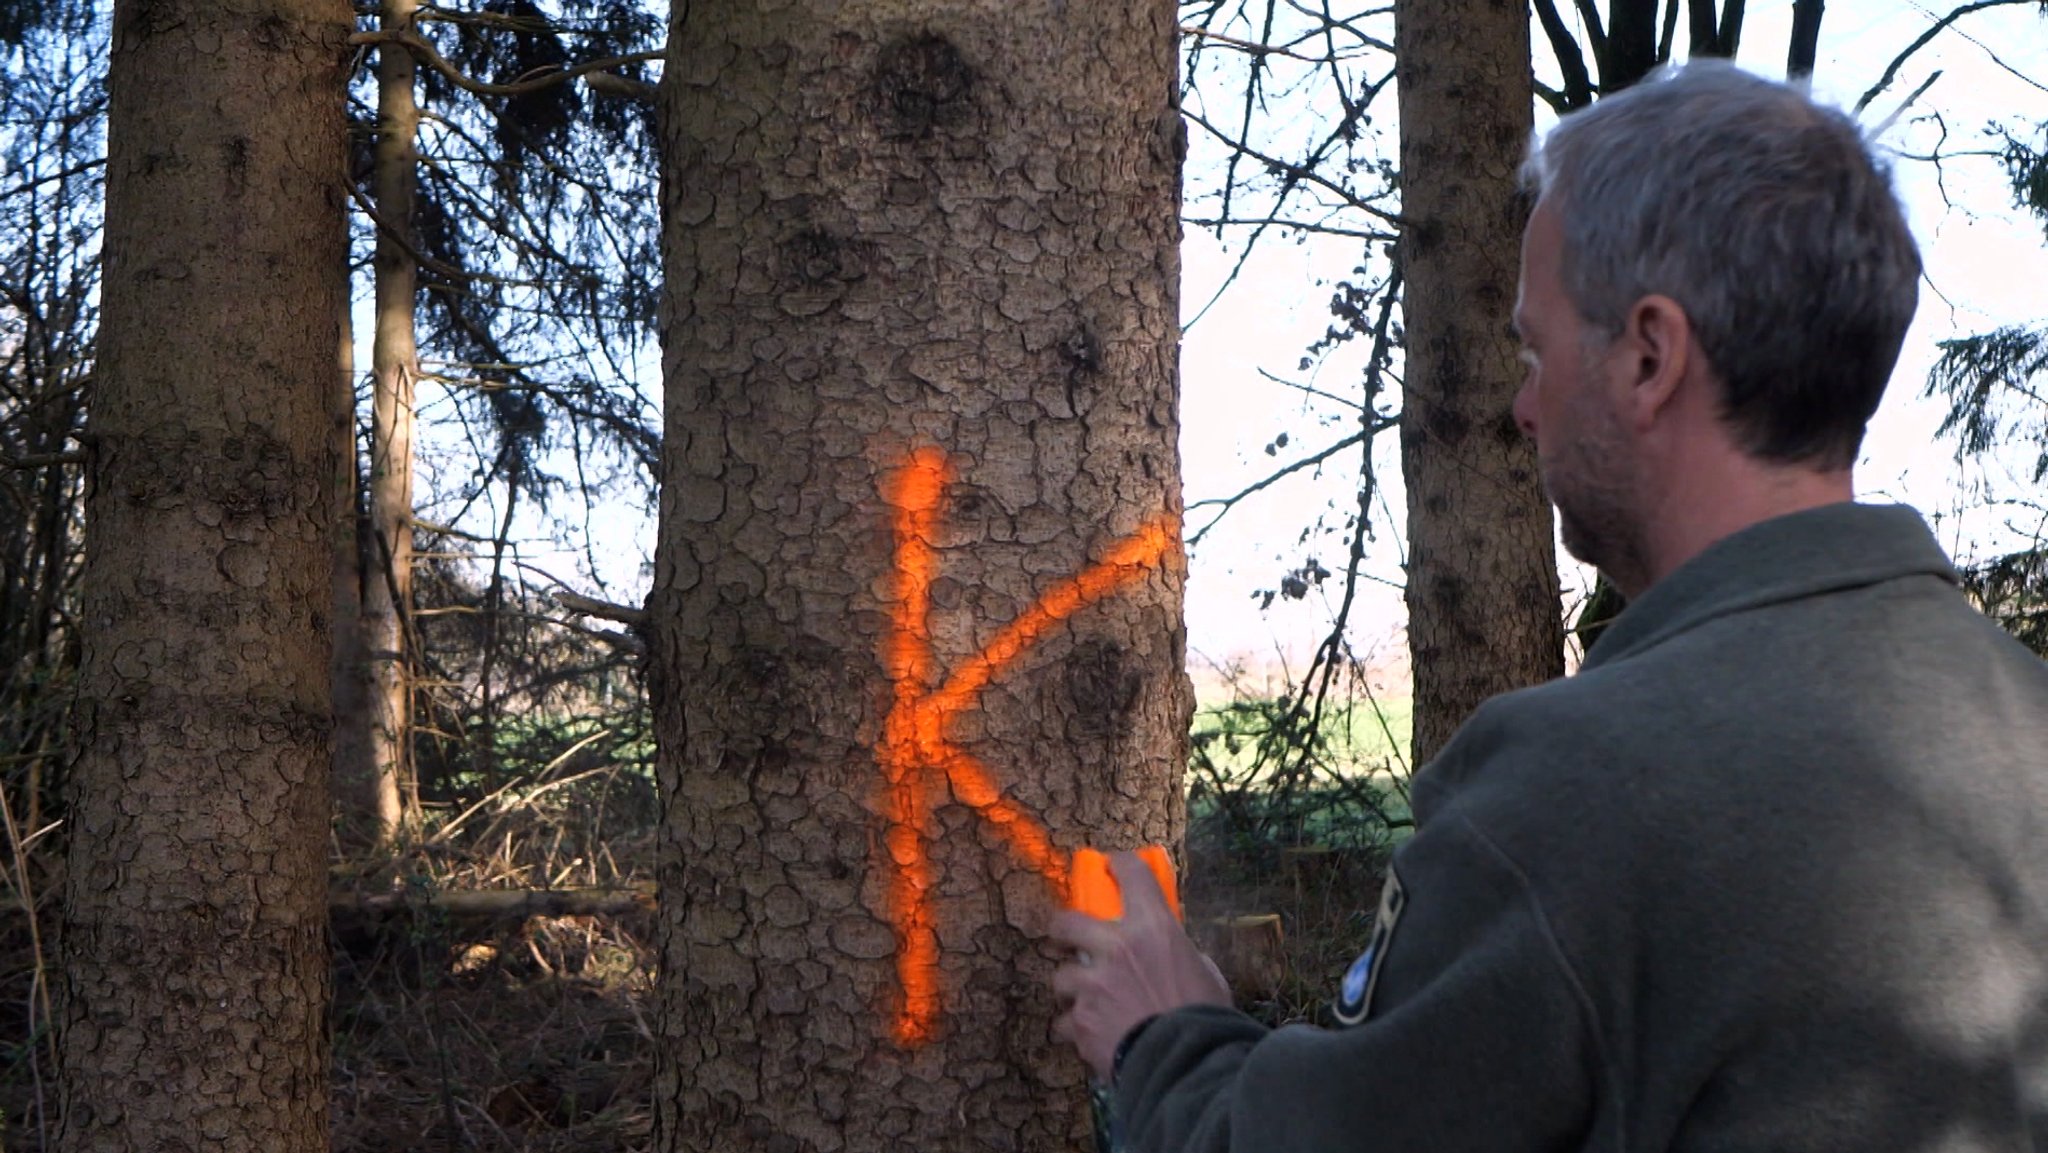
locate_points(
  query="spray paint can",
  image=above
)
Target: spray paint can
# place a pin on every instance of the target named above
(1092, 889)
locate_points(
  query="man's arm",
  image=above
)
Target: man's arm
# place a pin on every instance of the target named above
(1479, 1038)
(1120, 974)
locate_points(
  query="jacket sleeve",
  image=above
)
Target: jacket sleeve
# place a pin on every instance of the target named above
(1479, 1036)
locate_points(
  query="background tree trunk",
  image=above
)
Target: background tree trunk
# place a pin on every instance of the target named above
(394, 367)
(195, 918)
(921, 372)
(357, 785)
(1483, 614)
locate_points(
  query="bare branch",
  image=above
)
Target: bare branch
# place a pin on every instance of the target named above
(1886, 123)
(1578, 83)
(437, 267)
(1246, 45)
(604, 610)
(1731, 28)
(1805, 38)
(1670, 32)
(1223, 504)
(1312, 390)
(1595, 34)
(623, 87)
(41, 460)
(1298, 172)
(1891, 71)
(52, 178)
(1996, 59)
(424, 50)
(1297, 225)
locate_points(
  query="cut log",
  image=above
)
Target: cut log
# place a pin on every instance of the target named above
(491, 906)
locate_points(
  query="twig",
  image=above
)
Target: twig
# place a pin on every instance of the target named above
(1311, 390)
(42, 460)
(604, 610)
(1891, 71)
(1226, 503)
(1297, 172)
(1887, 122)
(40, 1018)
(61, 174)
(424, 50)
(1244, 45)
(1297, 225)
(1333, 646)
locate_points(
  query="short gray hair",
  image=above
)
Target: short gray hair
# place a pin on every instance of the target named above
(1768, 219)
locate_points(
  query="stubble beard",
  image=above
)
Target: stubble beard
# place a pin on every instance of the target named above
(1593, 485)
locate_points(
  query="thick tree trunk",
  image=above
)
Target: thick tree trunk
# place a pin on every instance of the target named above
(394, 367)
(917, 599)
(1483, 608)
(196, 907)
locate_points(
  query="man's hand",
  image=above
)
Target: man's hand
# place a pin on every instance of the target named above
(1124, 972)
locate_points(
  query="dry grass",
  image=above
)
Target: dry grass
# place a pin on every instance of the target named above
(535, 1039)
(532, 1035)
(535, 1034)
(1325, 900)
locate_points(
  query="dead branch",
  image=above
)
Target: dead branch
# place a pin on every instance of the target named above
(604, 610)
(623, 87)
(1891, 71)
(42, 460)
(491, 906)
(1578, 83)
(1295, 171)
(425, 52)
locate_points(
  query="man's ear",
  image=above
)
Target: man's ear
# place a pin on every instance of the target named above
(1656, 342)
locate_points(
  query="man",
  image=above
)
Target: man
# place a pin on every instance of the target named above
(1769, 873)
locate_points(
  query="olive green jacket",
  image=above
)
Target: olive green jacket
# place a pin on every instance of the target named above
(1769, 874)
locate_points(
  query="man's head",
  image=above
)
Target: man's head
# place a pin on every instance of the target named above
(1717, 228)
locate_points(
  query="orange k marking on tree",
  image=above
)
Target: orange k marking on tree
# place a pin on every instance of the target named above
(918, 759)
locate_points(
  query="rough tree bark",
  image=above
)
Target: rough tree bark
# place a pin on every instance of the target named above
(921, 375)
(394, 368)
(195, 899)
(1483, 611)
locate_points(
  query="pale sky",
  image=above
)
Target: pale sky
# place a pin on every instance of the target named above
(1986, 265)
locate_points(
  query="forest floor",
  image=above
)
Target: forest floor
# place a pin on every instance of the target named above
(535, 1033)
(536, 1038)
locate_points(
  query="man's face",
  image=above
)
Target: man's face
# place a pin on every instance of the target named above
(1567, 406)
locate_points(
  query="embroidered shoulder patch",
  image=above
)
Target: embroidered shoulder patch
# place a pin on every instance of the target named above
(1354, 996)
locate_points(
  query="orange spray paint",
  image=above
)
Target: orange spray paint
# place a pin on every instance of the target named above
(918, 758)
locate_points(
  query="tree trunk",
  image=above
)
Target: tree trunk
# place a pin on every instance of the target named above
(1631, 44)
(917, 601)
(394, 367)
(195, 898)
(355, 777)
(1483, 605)
(1805, 46)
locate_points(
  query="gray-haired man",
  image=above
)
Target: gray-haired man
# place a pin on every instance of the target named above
(1768, 873)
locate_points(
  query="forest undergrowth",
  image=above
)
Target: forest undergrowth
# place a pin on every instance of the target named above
(493, 980)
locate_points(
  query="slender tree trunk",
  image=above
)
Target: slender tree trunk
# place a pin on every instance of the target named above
(394, 366)
(1631, 43)
(1805, 46)
(195, 898)
(1483, 607)
(917, 599)
(355, 777)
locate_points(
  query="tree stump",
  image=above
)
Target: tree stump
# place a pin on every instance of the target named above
(1250, 950)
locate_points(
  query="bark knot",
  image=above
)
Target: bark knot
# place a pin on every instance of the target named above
(1103, 685)
(922, 84)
